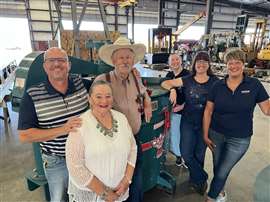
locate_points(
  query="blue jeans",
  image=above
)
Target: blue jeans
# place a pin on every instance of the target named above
(228, 151)
(175, 134)
(136, 187)
(57, 176)
(193, 151)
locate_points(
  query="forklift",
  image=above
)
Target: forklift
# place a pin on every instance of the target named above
(258, 53)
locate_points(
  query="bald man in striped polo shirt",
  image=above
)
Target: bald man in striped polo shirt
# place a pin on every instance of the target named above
(48, 112)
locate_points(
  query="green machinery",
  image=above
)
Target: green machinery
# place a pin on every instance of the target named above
(93, 46)
(30, 71)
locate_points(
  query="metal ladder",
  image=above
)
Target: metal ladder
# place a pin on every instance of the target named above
(43, 21)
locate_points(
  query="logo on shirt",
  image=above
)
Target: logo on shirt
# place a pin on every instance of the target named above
(245, 91)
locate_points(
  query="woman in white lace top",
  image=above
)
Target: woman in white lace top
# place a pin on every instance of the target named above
(101, 154)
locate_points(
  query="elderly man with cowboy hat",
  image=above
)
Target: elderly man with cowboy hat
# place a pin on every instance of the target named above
(130, 96)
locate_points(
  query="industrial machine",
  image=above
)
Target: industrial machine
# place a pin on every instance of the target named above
(264, 54)
(218, 43)
(121, 3)
(30, 71)
(262, 61)
(159, 47)
(162, 41)
(258, 51)
(6, 81)
(93, 46)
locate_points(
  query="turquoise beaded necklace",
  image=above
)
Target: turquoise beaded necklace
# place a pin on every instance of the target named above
(105, 131)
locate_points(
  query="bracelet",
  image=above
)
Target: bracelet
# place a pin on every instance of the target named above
(105, 193)
(128, 180)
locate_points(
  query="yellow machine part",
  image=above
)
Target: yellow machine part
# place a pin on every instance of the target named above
(264, 54)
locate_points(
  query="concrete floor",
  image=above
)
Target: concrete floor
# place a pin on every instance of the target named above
(16, 158)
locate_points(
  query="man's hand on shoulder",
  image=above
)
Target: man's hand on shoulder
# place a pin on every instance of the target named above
(41, 135)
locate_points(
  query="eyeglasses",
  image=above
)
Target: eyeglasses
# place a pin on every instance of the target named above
(53, 60)
(202, 62)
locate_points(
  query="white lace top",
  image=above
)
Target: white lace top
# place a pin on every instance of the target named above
(89, 153)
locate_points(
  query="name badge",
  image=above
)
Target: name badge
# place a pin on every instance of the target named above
(245, 91)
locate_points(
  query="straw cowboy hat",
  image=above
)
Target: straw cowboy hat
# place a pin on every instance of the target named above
(106, 51)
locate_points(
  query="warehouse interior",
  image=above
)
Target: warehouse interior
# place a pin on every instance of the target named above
(81, 27)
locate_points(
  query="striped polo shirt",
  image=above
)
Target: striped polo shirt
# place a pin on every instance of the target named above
(51, 109)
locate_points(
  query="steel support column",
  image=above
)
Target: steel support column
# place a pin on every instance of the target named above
(51, 19)
(132, 20)
(82, 14)
(103, 18)
(178, 14)
(28, 14)
(160, 13)
(75, 30)
(115, 17)
(209, 18)
(57, 6)
(127, 15)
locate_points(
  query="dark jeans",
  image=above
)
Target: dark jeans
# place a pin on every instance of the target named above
(228, 151)
(193, 151)
(136, 187)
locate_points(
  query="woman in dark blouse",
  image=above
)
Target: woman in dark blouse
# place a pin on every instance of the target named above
(228, 119)
(196, 88)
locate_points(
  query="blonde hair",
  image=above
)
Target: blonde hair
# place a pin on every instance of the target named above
(235, 54)
(170, 58)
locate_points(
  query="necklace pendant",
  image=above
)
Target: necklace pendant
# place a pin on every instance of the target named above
(108, 132)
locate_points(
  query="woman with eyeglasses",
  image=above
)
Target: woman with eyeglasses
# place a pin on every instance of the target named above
(196, 88)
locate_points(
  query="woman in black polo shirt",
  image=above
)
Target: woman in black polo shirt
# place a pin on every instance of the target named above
(228, 119)
(196, 88)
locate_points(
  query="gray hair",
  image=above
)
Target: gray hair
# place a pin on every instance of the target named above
(54, 48)
(98, 83)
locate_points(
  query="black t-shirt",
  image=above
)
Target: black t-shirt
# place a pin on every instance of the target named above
(233, 111)
(196, 97)
(180, 95)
